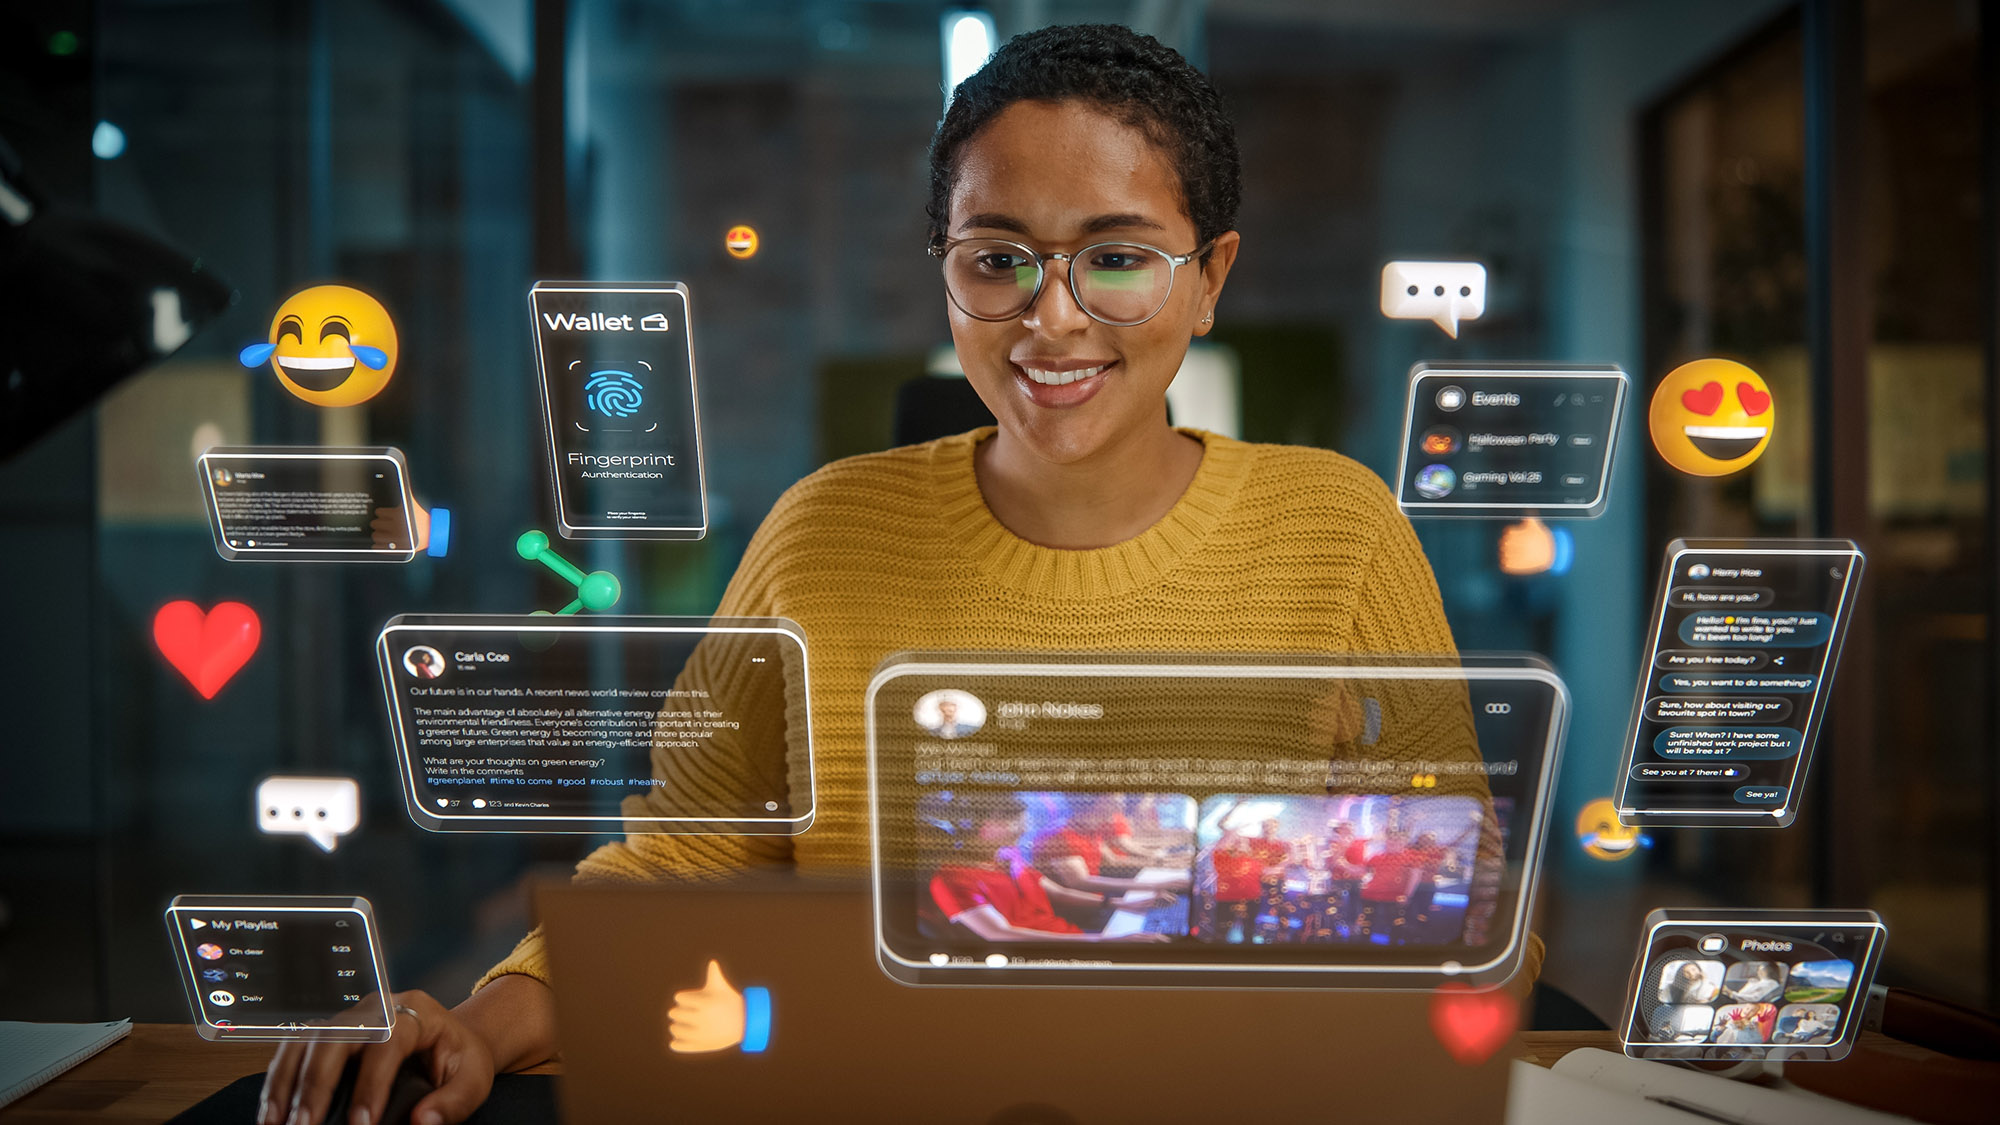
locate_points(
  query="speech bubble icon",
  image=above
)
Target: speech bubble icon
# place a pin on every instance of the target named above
(1445, 292)
(322, 809)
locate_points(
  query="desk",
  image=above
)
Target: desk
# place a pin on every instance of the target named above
(163, 1068)
(150, 1075)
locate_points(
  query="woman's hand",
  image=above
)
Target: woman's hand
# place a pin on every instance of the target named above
(456, 1057)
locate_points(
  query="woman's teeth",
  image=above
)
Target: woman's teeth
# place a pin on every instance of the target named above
(1059, 378)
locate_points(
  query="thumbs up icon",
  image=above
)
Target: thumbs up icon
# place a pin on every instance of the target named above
(716, 1017)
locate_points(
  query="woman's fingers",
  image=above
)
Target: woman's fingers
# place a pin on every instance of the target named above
(377, 1072)
(318, 1075)
(280, 1079)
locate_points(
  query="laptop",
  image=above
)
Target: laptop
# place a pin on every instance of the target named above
(837, 1040)
(1103, 890)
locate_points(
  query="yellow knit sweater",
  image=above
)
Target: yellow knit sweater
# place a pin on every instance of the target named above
(1272, 549)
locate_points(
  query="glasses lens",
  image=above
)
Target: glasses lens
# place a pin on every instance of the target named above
(990, 279)
(1122, 284)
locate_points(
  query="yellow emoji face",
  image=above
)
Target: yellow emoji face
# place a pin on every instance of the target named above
(1712, 417)
(741, 241)
(331, 345)
(1602, 836)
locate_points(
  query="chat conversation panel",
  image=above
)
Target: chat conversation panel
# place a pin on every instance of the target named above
(621, 410)
(1502, 443)
(1246, 823)
(1744, 984)
(281, 967)
(1745, 640)
(308, 504)
(543, 723)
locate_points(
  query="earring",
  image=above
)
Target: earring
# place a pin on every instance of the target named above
(1208, 318)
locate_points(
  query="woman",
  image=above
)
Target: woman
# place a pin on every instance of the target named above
(1082, 522)
(1688, 985)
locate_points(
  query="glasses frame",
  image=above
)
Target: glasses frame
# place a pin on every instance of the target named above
(943, 247)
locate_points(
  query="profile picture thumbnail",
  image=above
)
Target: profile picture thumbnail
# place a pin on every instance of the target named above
(1690, 982)
(1754, 982)
(950, 713)
(223, 478)
(423, 662)
(1435, 482)
(1440, 441)
(208, 951)
(1806, 1024)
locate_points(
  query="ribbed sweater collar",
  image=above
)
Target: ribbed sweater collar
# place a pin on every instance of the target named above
(1105, 572)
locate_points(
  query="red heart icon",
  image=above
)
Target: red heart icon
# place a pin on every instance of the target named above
(207, 648)
(1473, 1025)
(1705, 400)
(1754, 401)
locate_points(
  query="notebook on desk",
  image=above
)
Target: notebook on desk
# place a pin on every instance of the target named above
(32, 1054)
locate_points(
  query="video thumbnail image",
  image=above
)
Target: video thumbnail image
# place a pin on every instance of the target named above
(1046, 866)
(1359, 868)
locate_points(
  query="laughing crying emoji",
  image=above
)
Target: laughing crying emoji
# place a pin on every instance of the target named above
(1712, 417)
(1602, 837)
(331, 345)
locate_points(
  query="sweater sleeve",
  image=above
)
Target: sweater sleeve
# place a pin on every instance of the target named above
(714, 776)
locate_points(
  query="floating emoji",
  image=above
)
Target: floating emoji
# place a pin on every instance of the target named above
(331, 345)
(1597, 828)
(1712, 417)
(741, 241)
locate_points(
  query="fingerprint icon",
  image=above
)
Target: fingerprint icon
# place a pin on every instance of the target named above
(614, 393)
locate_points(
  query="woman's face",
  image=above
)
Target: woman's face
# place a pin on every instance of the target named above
(1056, 177)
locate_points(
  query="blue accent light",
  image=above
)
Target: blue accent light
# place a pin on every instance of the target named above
(1565, 544)
(107, 141)
(756, 1020)
(440, 533)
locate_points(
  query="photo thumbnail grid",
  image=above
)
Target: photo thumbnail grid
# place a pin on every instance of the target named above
(1720, 989)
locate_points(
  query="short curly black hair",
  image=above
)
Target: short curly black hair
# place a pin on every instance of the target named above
(1135, 77)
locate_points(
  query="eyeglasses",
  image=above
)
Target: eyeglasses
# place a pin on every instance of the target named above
(1115, 283)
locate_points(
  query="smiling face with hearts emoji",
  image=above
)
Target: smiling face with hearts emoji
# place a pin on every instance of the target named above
(1712, 417)
(207, 648)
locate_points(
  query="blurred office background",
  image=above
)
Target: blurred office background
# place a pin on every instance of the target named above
(1807, 188)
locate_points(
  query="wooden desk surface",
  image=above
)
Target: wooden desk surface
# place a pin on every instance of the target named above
(163, 1068)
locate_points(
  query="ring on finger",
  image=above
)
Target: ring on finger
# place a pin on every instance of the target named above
(406, 1010)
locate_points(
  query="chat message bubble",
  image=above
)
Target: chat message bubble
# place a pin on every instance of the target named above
(1714, 683)
(1726, 742)
(1719, 771)
(1717, 709)
(1444, 292)
(1761, 795)
(1766, 630)
(322, 809)
(1720, 597)
(1690, 658)
(601, 723)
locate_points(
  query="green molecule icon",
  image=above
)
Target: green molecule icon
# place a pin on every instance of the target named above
(596, 591)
